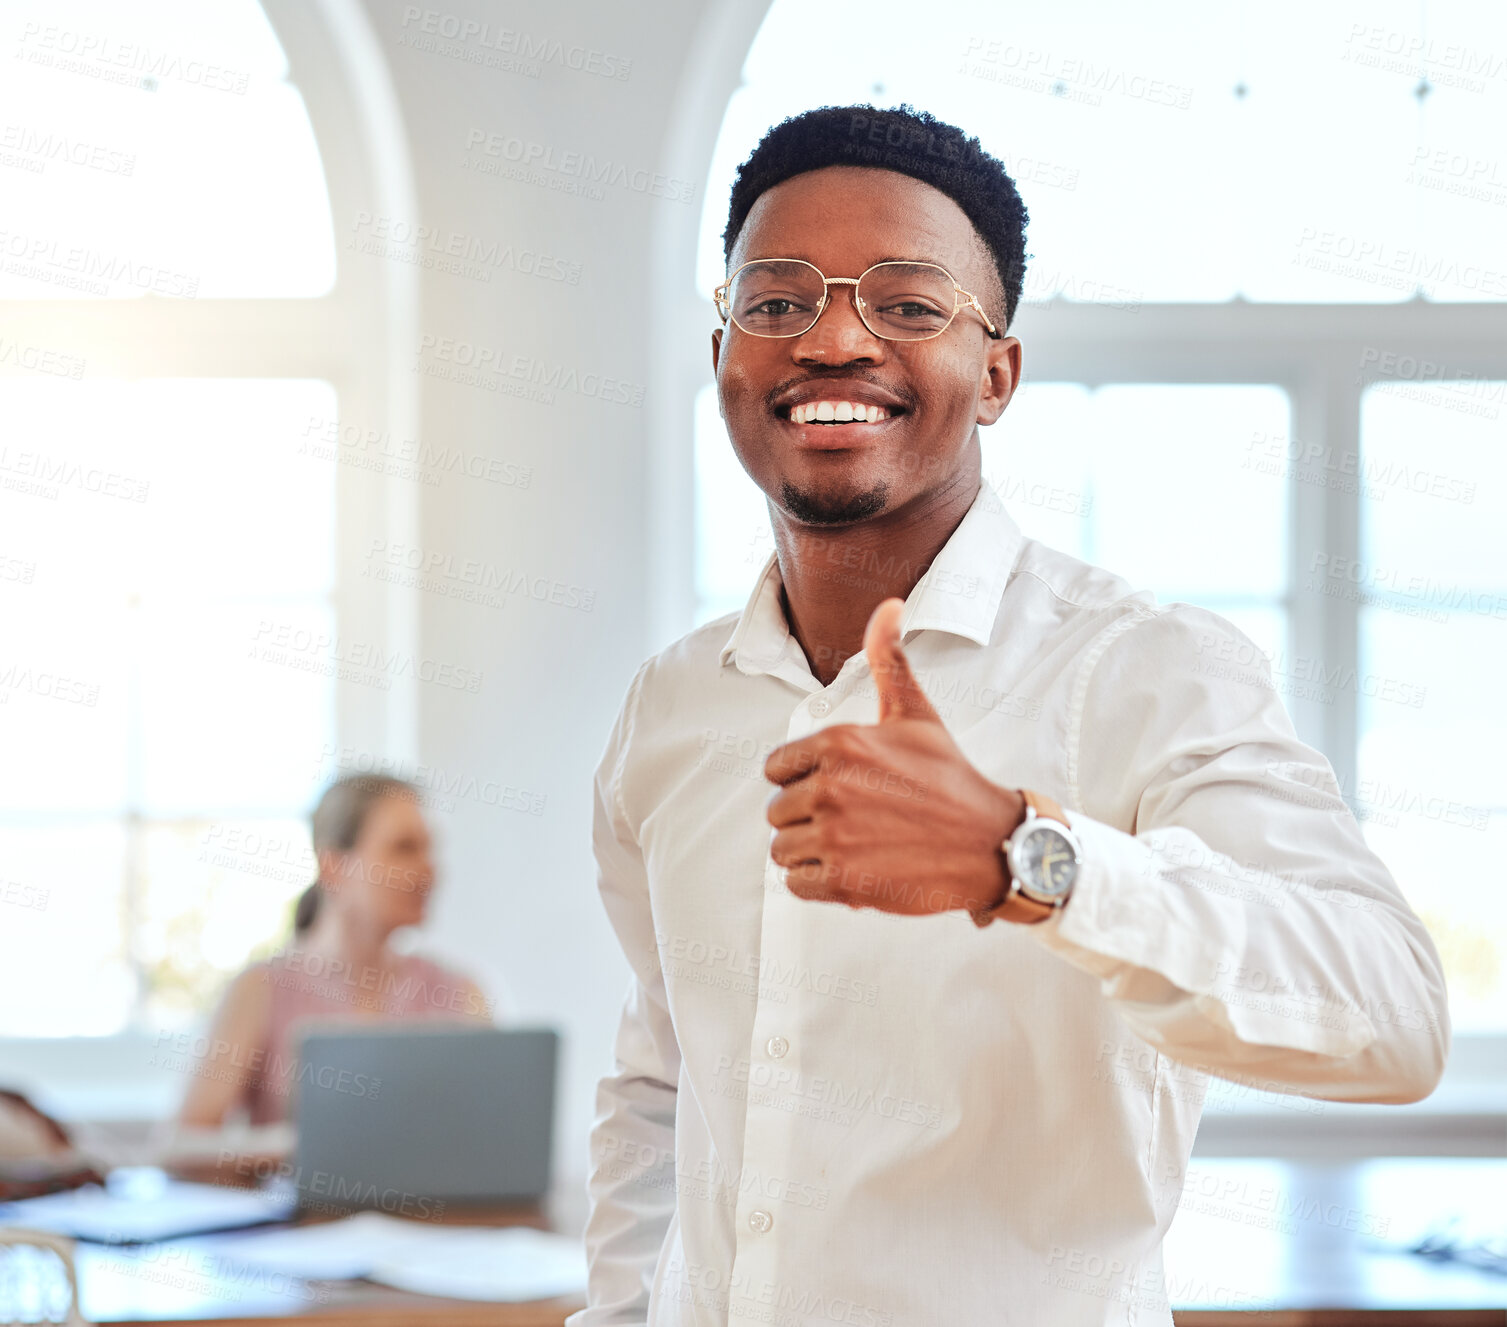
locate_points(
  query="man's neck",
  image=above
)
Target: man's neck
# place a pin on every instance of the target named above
(833, 580)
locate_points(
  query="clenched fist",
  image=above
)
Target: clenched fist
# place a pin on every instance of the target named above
(889, 815)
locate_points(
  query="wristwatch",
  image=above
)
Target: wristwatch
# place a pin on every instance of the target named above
(1042, 857)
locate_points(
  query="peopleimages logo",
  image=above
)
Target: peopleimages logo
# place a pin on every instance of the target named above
(311, 972)
(101, 56)
(488, 366)
(434, 569)
(586, 167)
(51, 474)
(44, 146)
(444, 249)
(40, 359)
(294, 645)
(257, 1065)
(47, 684)
(442, 788)
(475, 39)
(338, 1191)
(44, 258)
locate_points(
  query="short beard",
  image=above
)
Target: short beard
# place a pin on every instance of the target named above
(812, 510)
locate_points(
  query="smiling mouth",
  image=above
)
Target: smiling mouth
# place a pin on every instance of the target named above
(834, 412)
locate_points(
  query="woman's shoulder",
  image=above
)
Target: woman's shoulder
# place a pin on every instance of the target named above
(247, 996)
(281, 976)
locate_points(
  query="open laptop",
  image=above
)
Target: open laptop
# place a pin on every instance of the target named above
(408, 1118)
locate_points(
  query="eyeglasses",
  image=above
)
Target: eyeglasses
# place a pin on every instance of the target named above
(897, 301)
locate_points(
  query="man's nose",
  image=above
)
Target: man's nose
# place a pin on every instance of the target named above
(839, 335)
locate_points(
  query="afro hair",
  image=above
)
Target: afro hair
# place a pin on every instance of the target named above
(905, 140)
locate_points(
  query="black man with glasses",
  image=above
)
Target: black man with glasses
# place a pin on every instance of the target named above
(952, 868)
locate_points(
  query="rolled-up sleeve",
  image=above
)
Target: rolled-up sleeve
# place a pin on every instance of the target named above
(632, 1186)
(1227, 900)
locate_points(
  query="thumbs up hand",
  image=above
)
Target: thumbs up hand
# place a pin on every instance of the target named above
(889, 815)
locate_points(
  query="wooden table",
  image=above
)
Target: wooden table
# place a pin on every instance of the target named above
(1283, 1244)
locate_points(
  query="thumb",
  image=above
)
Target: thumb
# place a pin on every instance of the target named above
(900, 695)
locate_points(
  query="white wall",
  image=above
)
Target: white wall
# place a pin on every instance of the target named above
(518, 905)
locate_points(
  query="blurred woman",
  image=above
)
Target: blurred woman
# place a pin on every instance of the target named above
(375, 874)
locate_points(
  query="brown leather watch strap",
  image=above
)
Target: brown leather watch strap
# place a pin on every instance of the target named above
(1044, 806)
(1016, 907)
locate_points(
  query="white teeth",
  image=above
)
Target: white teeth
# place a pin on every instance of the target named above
(837, 412)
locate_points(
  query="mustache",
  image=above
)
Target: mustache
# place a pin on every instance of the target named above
(907, 399)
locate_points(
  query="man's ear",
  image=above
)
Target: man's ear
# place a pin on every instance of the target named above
(716, 347)
(1001, 377)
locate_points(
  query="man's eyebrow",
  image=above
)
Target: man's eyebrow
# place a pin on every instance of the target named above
(907, 258)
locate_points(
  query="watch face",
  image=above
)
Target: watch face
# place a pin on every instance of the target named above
(1046, 862)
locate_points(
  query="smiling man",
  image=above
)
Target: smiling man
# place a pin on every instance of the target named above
(952, 868)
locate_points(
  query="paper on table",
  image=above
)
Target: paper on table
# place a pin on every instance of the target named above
(512, 1264)
(463, 1262)
(145, 1206)
(329, 1251)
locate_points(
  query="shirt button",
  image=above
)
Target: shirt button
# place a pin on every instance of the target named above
(820, 706)
(759, 1221)
(776, 1046)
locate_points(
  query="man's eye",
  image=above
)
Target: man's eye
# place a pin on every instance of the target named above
(911, 309)
(776, 307)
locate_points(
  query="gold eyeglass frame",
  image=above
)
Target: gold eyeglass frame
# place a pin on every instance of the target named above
(967, 300)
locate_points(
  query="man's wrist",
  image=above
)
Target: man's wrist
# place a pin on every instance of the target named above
(1010, 903)
(1010, 812)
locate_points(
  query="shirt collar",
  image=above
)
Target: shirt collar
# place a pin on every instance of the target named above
(960, 593)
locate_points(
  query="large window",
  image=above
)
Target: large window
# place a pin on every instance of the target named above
(160, 688)
(174, 655)
(1264, 368)
(1430, 589)
(156, 149)
(1287, 152)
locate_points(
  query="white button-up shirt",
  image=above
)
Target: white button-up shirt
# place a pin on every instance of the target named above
(825, 1115)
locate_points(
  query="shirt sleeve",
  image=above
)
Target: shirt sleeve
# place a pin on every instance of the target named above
(632, 1183)
(1227, 900)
